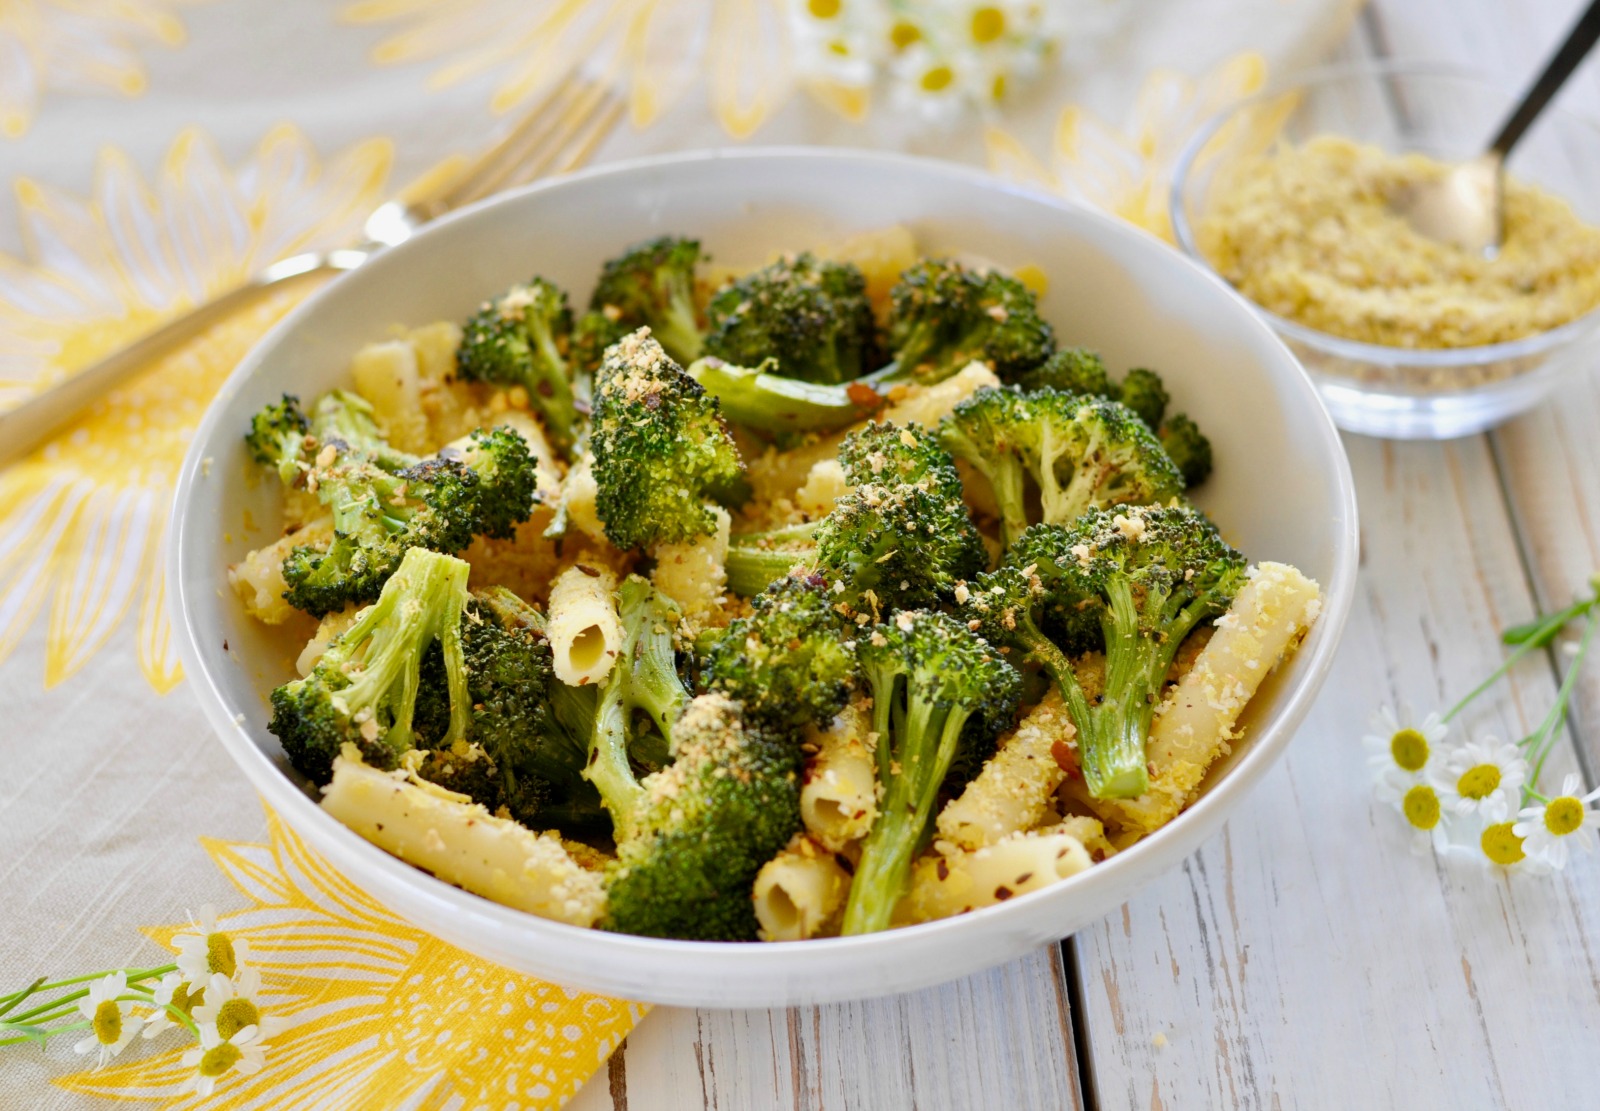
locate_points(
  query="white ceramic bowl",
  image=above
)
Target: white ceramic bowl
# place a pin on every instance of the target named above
(1282, 491)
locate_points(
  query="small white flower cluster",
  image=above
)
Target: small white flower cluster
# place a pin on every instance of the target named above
(939, 57)
(213, 984)
(1467, 798)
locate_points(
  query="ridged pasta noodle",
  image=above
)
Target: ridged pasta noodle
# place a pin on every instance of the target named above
(1195, 722)
(838, 800)
(943, 884)
(800, 893)
(1014, 790)
(584, 630)
(694, 574)
(462, 843)
(258, 578)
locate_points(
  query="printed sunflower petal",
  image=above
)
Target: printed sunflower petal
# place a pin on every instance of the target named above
(132, 217)
(206, 216)
(751, 72)
(29, 539)
(97, 572)
(19, 88)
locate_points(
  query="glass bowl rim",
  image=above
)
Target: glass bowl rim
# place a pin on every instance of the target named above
(1538, 343)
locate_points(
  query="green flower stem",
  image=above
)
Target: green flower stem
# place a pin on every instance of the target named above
(41, 1035)
(1543, 739)
(9, 1001)
(134, 975)
(1538, 636)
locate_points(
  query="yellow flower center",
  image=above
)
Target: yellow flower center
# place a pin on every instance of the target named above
(988, 24)
(184, 1001)
(1409, 749)
(823, 9)
(219, 954)
(1563, 816)
(938, 79)
(998, 89)
(234, 1015)
(1478, 782)
(107, 1023)
(1501, 845)
(219, 1060)
(1421, 806)
(840, 48)
(904, 33)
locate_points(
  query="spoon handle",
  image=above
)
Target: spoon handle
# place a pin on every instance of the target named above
(1560, 67)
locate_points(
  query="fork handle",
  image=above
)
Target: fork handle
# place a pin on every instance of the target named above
(1579, 40)
(36, 420)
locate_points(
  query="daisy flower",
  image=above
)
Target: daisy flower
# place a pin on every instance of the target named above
(1482, 778)
(231, 1005)
(1502, 846)
(1565, 822)
(1419, 804)
(201, 955)
(216, 1056)
(172, 989)
(1393, 747)
(112, 1023)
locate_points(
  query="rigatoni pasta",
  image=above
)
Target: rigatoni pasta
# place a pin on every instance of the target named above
(800, 893)
(584, 629)
(838, 800)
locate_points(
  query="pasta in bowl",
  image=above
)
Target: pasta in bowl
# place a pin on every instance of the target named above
(815, 593)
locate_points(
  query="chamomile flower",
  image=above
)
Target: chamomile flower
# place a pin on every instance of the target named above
(1483, 778)
(203, 954)
(1549, 832)
(112, 1023)
(216, 1057)
(840, 40)
(231, 1005)
(1404, 748)
(932, 83)
(1502, 847)
(172, 989)
(1418, 802)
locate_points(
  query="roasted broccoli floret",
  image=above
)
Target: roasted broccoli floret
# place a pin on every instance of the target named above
(691, 837)
(1188, 447)
(483, 485)
(364, 689)
(936, 688)
(1079, 451)
(790, 663)
(1142, 391)
(277, 437)
(661, 450)
(945, 315)
(1071, 370)
(1148, 576)
(591, 335)
(652, 285)
(521, 338)
(809, 316)
(901, 539)
(784, 408)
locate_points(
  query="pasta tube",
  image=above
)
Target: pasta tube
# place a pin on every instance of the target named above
(800, 893)
(839, 800)
(387, 375)
(694, 574)
(1195, 722)
(943, 884)
(1014, 790)
(584, 630)
(258, 578)
(462, 843)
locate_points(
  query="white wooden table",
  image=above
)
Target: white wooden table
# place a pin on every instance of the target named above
(1303, 958)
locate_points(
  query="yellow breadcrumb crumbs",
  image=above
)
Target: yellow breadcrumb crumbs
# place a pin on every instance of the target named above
(1308, 233)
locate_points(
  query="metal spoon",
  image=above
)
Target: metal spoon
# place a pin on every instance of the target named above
(1466, 206)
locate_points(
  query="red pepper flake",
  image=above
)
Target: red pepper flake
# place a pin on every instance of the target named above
(863, 396)
(1024, 878)
(1065, 756)
(1001, 894)
(943, 869)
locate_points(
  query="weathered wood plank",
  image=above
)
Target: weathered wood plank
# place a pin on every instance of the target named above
(999, 1039)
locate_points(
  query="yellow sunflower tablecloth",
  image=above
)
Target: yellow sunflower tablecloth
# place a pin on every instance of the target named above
(156, 152)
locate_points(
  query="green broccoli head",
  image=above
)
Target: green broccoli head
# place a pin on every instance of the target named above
(1071, 370)
(363, 691)
(811, 316)
(1188, 447)
(661, 449)
(1143, 391)
(790, 663)
(591, 335)
(521, 338)
(704, 826)
(887, 454)
(940, 693)
(466, 769)
(945, 315)
(1148, 575)
(277, 437)
(483, 487)
(1079, 451)
(652, 285)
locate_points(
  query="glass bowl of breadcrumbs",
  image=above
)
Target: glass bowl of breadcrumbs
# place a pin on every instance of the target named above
(1286, 196)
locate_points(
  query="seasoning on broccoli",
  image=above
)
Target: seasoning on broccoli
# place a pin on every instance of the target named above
(652, 285)
(946, 315)
(809, 316)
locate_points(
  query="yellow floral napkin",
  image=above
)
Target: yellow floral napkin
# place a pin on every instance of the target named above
(156, 152)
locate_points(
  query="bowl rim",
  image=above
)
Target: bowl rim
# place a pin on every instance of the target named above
(1538, 343)
(287, 797)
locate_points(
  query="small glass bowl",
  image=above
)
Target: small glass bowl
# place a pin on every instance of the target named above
(1449, 114)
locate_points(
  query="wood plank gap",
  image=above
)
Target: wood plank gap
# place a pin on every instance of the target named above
(617, 1077)
(1078, 1023)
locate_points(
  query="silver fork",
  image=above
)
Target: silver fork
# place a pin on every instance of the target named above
(558, 133)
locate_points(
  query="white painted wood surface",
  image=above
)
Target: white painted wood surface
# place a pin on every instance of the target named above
(1304, 958)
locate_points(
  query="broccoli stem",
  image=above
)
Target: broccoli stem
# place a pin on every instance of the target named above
(928, 737)
(679, 332)
(751, 568)
(608, 767)
(782, 406)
